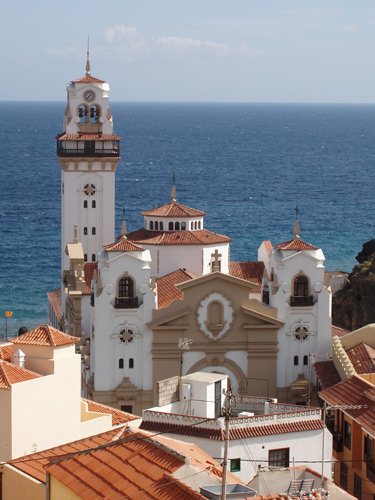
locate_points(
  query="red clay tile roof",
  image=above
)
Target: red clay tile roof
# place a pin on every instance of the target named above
(34, 465)
(250, 271)
(234, 432)
(199, 237)
(354, 391)
(296, 245)
(88, 270)
(174, 209)
(6, 351)
(327, 374)
(123, 245)
(338, 331)
(12, 374)
(88, 79)
(166, 289)
(118, 416)
(137, 467)
(87, 137)
(362, 357)
(45, 335)
(54, 298)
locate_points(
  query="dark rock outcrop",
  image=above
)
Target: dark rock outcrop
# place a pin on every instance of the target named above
(354, 305)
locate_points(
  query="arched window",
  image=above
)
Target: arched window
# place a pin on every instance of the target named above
(121, 363)
(131, 363)
(170, 226)
(199, 224)
(82, 113)
(156, 225)
(93, 257)
(305, 360)
(183, 226)
(177, 226)
(125, 288)
(93, 204)
(191, 225)
(161, 226)
(295, 360)
(301, 286)
(85, 230)
(94, 113)
(151, 225)
(85, 204)
(195, 225)
(93, 230)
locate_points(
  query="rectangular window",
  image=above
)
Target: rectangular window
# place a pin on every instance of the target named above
(127, 408)
(368, 453)
(218, 399)
(278, 458)
(347, 435)
(344, 475)
(235, 465)
(357, 487)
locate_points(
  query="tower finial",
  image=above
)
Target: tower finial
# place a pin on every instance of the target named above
(173, 190)
(88, 69)
(296, 228)
(123, 224)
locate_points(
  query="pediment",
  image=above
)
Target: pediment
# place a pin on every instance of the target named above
(217, 276)
(171, 320)
(260, 316)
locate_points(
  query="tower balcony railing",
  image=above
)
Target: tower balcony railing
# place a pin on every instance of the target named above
(126, 303)
(370, 470)
(301, 301)
(87, 151)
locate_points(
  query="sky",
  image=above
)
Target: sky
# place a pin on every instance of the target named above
(191, 50)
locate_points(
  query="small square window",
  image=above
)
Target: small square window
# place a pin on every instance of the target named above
(235, 465)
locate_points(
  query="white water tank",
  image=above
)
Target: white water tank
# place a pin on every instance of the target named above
(186, 391)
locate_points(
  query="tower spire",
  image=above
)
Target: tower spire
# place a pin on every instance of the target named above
(123, 224)
(296, 228)
(88, 68)
(173, 190)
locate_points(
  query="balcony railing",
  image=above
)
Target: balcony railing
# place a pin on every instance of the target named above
(126, 303)
(304, 301)
(87, 151)
(370, 471)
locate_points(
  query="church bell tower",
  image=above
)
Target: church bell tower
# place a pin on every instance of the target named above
(88, 152)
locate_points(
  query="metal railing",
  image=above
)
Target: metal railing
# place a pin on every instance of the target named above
(126, 303)
(86, 152)
(296, 301)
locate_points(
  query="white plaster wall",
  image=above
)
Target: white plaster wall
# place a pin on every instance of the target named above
(6, 425)
(190, 358)
(223, 249)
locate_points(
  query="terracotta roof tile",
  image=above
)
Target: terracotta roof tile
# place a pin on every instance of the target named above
(174, 209)
(250, 271)
(45, 335)
(87, 137)
(123, 245)
(12, 374)
(235, 432)
(338, 331)
(166, 286)
(6, 351)
(118, 416)
(296, 245)
(327, 373)
(88, 79)
(354, 391)
(362, 357)
(54, 298)
(88, 270)
(199, 237)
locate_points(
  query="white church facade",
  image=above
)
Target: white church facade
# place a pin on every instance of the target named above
(166, 299)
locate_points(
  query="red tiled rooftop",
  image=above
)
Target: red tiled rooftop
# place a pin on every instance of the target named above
(296, 245)
(87, 137)
(12, 374)
(199, 237)
(174, 209)
(118, 416)
(250, 271)
(6, 351)
(88, 270)
(45, 335)
(166, 286)
(362, 357)
(54, 298)
(88, 79)
(354, 391)
(123, 245)
(338, 331)
(327, 374)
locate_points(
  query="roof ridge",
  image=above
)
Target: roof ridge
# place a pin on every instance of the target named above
(6, 377)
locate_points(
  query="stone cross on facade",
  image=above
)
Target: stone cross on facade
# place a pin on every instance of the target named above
(216, 256)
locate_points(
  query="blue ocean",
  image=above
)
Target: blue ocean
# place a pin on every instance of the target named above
(246, 165)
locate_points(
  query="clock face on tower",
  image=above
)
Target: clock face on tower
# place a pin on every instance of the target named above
(89, 95)
(89, 189)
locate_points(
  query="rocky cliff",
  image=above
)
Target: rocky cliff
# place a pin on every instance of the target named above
(354, 305)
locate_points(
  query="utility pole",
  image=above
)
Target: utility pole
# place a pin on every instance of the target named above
(227, 411)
